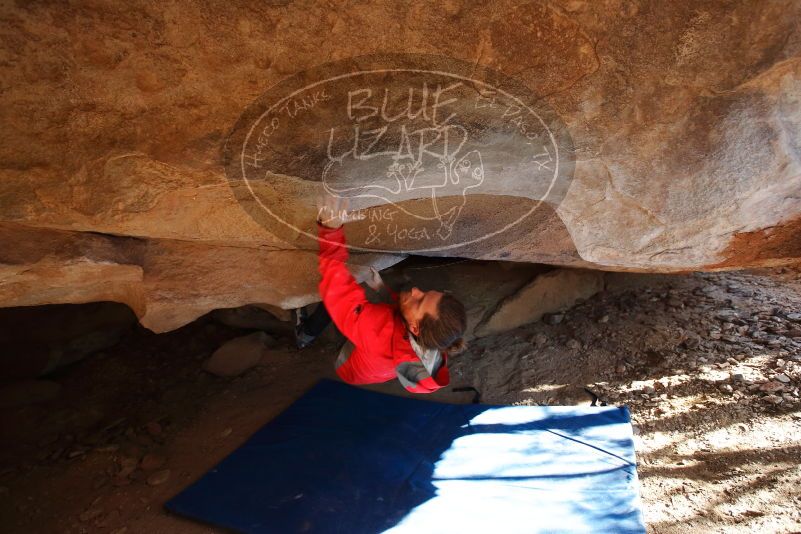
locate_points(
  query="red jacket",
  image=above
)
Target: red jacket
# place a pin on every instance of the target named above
(381, 344)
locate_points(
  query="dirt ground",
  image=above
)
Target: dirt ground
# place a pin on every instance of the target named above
(709, 364)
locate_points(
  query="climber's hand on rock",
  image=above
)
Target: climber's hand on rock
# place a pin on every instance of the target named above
(333, 212)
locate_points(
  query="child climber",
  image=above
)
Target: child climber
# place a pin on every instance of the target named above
(409, 339)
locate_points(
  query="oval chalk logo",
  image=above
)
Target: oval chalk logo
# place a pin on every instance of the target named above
(436, 154)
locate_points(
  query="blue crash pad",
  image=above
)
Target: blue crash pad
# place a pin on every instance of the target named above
(347, 460)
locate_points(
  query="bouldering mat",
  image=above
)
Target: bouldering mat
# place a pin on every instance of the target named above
(347, 460)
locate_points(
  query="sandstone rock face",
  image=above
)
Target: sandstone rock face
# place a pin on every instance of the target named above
(678, 125)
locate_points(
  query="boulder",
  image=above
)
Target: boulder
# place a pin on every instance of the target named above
(677, 127)
(551, 292)
(237, 355)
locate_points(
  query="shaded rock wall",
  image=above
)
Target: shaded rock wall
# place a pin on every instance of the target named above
(40, 339)
(684, 117)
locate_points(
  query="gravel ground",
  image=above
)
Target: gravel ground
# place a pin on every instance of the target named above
(710, 367)
(709, 364)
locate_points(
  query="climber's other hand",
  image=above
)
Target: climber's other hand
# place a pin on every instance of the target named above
(375, 282)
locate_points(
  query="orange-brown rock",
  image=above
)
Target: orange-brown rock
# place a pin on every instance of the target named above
(684, 119)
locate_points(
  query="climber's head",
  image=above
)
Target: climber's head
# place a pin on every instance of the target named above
(436, 319)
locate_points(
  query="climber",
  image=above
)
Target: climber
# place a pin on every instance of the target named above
(410, 339)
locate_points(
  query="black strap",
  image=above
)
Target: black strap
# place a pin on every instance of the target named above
(594, 398)
(476, 394)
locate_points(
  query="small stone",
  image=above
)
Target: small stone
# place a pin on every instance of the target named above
(604, 319)
(783, 378)
(114, 425)
(553, 319)
(648, 389)
(152, 461)
(573, 344)
(771, 387)
(127, 466)
(620, 368)
(90, 514)
(732, 361)
(111, 518)
(153, 428)
(119, 481)
(227, 432)
(726, 314)
(159, 477)
(795, 317)
(692, 342)
(540, 339)
(773, 399)
(726, 388)
(738, 377)
(742, 330)
(75, 453)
